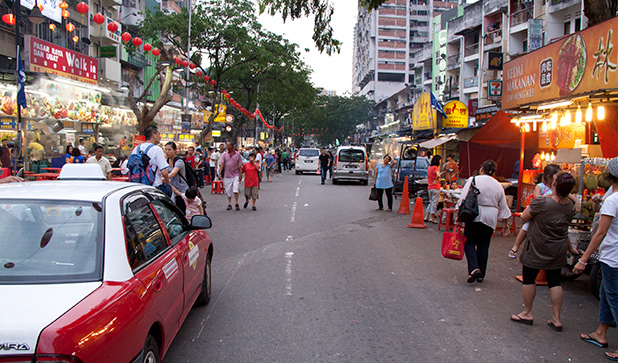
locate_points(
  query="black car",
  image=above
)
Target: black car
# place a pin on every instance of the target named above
(416, 171)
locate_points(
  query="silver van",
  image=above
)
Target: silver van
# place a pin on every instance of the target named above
(307, 161)
(351, 163)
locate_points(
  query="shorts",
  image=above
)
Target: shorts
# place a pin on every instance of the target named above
(251, 192)
(230, 185)
(525, 226)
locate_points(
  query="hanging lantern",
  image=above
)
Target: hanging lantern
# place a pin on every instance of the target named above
(199, 73)
(223, 92)
(147, 47)
(227, 96)
(601, 113)
(178, 61)
(125, 37)
(63, 5)
(206, 78)
(137, 41)
(232, 101)
(156, 52)
(578, 115)
(589, 112)
(40, 6)
(185, 63)
(52, 26)
(213, 82)
(81, 8)
(75, 38)
(65, 13)
(98, 18)
(8, 19)
(70, 27)
(192, 66)
(112, 27)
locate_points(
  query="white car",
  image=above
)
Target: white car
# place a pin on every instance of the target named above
(308, 160)
(96, 271)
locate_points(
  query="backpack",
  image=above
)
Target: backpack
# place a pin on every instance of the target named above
(190, 174)
(139, 167)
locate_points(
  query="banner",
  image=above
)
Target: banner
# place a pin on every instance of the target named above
(581, 63)
(423, 115)
(457, 115)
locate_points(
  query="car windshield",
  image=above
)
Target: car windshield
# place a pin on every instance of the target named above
(309, 152)
(351, 156)
(50, 241)
(422, 164)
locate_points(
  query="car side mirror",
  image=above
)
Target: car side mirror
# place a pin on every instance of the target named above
(200, 222)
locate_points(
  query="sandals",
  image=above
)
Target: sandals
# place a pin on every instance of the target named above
(554, 326)
(589, 339)
(518, 319)
(237, 207)
(512, 253)
(229, 207)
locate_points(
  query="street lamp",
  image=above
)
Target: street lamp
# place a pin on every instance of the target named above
(35, 15)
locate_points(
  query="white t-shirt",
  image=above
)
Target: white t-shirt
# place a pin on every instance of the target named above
(492, 201)
(82, 150)
(259, 159)
(216, 155)
(609, 246)
(106, 167)
(158, 161)
(123, 167)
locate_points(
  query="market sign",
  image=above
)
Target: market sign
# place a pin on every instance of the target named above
(456, 115)
(115, 36)
(423, 116)
(42, 56)
(494, 90)
(87, 128)
(216, 133)
(483, 115)
(186, 137)
(107, 51)
(581, 63)
(563, 137)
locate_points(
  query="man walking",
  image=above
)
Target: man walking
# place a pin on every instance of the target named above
(231, 166)
(158, 162)
(98, 158)
(6, 154)
(285, 159)
(324, 164)
(270, 166)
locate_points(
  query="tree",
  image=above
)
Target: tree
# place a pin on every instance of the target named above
(598, 11)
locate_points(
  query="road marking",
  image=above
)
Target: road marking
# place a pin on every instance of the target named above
(300, 181)
(288, 273)
(293, 212)
(289, 238)
(297, 191)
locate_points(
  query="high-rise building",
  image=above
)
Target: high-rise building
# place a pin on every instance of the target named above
(385, 38)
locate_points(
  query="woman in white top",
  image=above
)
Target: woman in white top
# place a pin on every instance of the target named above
(607, 238)
(492, 206)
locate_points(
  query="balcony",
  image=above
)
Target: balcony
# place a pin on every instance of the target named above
(493, 37)
(521, 16)
(471, 82)
(171, 6)
(453, 61)
(472, 49)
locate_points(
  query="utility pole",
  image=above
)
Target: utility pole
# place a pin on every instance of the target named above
(19, 146)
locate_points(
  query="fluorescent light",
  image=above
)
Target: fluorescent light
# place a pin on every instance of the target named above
(601, 112)
(578, 115)
(530, 117)
(589, 112)
(554, 105)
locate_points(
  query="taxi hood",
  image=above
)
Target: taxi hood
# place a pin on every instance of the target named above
(28, 309)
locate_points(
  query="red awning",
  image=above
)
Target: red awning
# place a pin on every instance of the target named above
(500, 132)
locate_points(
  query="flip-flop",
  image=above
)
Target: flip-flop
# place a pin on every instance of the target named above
(615, 359)
(591, 340)
(512, 253)
(554, 326)
(521, 320)
(229, 207)
(237, 207)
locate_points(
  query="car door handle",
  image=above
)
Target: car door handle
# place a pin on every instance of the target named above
(157, 284)
(185, 257)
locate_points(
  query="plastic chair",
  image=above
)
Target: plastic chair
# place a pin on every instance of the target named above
(217, 187)
(449, 221)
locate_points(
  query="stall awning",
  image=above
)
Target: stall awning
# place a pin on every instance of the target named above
(430, 144)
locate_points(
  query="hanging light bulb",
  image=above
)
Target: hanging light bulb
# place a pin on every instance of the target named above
(562, 120)
(533, 125)
(567, 117)
(554, 120)
(578, 115)
(527, 127)
(589, 112)
(601, 112)
(553, 156)
(544, 126)
(543, 155)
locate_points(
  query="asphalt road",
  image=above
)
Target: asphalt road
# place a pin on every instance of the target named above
(317, 275)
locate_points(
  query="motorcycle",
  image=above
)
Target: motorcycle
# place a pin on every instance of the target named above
(580, 237)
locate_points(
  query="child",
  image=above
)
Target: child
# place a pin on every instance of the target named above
(192, 202)
(252, 181)
(542, 189)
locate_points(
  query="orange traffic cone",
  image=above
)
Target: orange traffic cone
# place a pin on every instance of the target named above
(404, 207)
(541, 279)
(417, 216)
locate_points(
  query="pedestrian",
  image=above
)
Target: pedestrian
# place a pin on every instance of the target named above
(252, 183)
(546, 247)
(124, 169)
(68, 154)
(451, 169)
(103, 162)
(607, 238)
(285, 159)
(221, 152)
(5, 158)
(158, 163)
(193, 204)
(259, 158)
(230, 168)
(332, 161)
(324, 161)
(492, 206)
(77, 157)
(278, 156)
(190, 159)
(383, 182)
(177, 173)
(433, 189)
(199, 170)
(214, 158)
(82, 148)
(270, 166)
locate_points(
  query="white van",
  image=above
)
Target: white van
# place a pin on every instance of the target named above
(307, 160)
(351, 163)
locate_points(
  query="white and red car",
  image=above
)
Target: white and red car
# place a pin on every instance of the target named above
(96, 271)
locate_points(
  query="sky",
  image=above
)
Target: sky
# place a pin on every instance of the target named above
(329, 72)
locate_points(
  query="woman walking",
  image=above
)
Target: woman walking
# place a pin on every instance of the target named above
(546, 247)
(433, 187)
(607, 237)
(177, 174)
(384, 183)
(492, 206)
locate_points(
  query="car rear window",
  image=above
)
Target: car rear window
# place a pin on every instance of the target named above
(309, 152)
(351, 156)
(50, 241)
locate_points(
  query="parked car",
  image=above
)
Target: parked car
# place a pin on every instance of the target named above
(416, 171)
(307, 160)
(95, 270)
(351, 163)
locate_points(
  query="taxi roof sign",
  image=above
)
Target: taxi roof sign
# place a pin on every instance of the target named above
(81, 172)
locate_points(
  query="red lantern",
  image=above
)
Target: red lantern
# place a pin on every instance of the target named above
(98, 18)
(232, 101)
(199, 73)
(63, 5)
(227, 96)
(147, 47)
(52, 26)
(206, 78)
(75, 38)
(185, 63)
(137, 41)
(213, 82)
(223, 92)
(8, 19)
(192, 66)
(65, 13)
(178, 61)
(125, 37)
(70, 27)
(81, 8)
(112, 27)
(156, 52)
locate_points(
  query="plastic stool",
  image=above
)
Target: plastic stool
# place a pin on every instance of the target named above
(449, 221)
(4, 172)
(217, 187)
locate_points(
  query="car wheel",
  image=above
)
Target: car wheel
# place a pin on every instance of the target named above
(297, 172)
(204, 297)
(365, 182)
(151, 350)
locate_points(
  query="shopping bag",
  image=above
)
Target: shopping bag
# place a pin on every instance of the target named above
(453, 244)
(374, 194)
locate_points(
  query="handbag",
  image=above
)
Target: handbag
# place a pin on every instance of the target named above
(374, 194)
(453, 244)
(469, 209)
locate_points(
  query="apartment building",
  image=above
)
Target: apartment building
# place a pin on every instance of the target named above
(384, 41)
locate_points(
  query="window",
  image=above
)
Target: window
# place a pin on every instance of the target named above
(309, 152)
(351, 156)
(567, 28)
(173, 221)
(144, 237)
(578, 24)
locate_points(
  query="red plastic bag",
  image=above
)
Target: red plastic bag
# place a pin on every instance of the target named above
(453, 244)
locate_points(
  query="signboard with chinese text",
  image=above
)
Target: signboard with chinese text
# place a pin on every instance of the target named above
(494, 90)
(456, 115)
(42, 56)
(115, 36)
(472, 105)
(483, 115)
(581, 63)
(423, 116)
